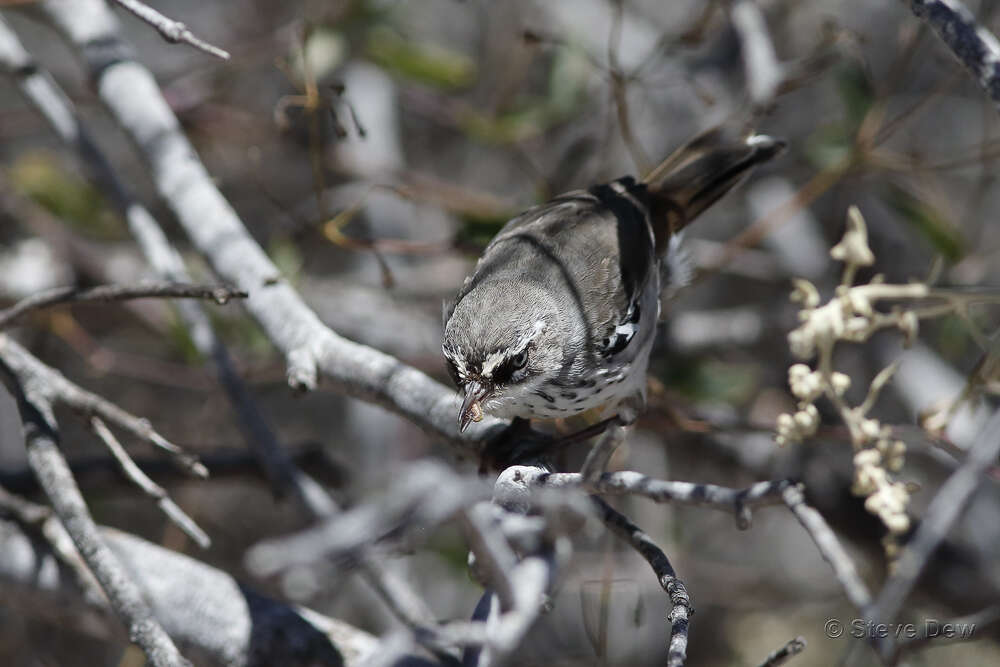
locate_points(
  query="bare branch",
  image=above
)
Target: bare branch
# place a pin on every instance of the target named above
(148, 486)
(493, 556)
(108, 293)
(785, 653)
(53, 386)
(976, 622)
(737, 501)
(48, 98)
(681, 611)
(284, 475)
(134, 100)
(200, 606)
(974, 46)
(172, 31)
(941, 515)
(40, 518)
(600, 454)
(427, 495)
(123, 594)
(829, 547)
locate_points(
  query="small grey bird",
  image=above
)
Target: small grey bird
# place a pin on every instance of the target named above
(560, 313)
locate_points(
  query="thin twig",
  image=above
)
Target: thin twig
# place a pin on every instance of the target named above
(941, 515)
(148, 486)
(54, 386)
(737, 501)
(171, 30)
(60, 487)
(243, 627)
(829, 546)
(973, 623)
(785, 653)
(109, 293)
(48, 98)
(974, 46)
(40, 519)
(681, 609)
(285, 476)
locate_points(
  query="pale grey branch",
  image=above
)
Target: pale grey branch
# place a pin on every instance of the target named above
(172, 31)
(55, 477)
(941, 515)
(134, 100)
(148, 486)
(55, 388)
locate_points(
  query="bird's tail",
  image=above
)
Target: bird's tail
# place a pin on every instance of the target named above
(697, 174)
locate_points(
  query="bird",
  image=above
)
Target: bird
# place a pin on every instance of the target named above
(559, 315)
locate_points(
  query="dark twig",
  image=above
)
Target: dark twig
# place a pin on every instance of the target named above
(55, 388)
(148, 486)
(785, 653)
(108, 293)
(738, 501)
(172, 31)
(974, 46)
(681, 609)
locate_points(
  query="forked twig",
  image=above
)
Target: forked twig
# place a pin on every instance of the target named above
(171, 30)
(148, 486)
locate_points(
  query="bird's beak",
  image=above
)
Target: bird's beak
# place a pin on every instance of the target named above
(471, 410)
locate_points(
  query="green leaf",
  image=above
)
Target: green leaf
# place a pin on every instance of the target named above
(710, 379)
(857, 93)
(43, 178)
(930, 223)
(427, 63)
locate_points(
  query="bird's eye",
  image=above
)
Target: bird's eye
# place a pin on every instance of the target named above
(520, 360)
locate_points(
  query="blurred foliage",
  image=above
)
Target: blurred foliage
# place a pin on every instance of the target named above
(927, 221)
(421, 62)
(951, 337)
(832, 143)
(287, 256)
(567, 82)
(706, 379)
(42, 176)
(478, 231)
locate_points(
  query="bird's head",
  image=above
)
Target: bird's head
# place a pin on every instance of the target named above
(501, 342)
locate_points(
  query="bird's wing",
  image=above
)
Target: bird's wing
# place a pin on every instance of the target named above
(592, 249)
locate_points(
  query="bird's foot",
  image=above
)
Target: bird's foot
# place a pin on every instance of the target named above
(519, 443)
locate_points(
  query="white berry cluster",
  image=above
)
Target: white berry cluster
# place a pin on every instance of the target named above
(851, 316)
